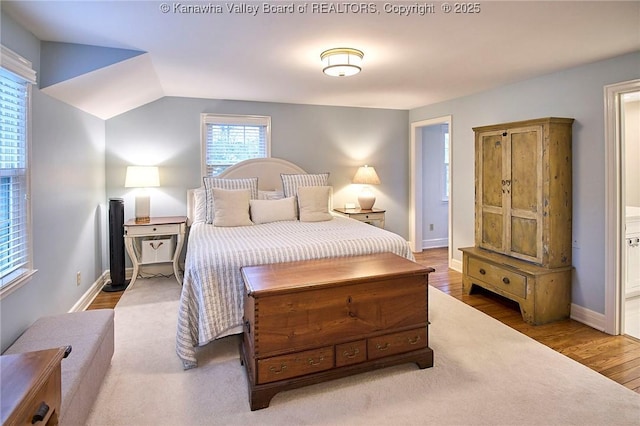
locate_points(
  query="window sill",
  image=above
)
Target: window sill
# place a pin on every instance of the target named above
(18, 282)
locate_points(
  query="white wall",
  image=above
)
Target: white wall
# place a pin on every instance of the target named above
(575, 93)
(67, 201)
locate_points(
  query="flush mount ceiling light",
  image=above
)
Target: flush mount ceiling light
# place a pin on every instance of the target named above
(341, 61)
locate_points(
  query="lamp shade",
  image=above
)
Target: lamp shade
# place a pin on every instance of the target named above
(142, 177)
(342, 61)
(366, 175)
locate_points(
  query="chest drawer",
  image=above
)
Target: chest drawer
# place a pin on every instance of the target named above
(294, 365)
(501, 278)
(396, 343)
(351, 353)
(150, 230)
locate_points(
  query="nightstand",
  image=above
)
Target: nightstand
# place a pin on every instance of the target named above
(158, 241)
(373, 217)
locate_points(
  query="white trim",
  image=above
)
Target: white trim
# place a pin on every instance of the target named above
(456, 265)
(588, 317)
(415, 191)
(613, 204)
(435, 243)
(90, 294)
(16, 64)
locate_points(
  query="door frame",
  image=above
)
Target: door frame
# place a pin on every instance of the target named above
(415, 191)
(614, 199)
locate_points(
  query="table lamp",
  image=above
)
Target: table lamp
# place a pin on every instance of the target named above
(142, 177)
(367, 176)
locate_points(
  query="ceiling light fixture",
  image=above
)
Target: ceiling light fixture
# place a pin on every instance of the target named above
(341, 61)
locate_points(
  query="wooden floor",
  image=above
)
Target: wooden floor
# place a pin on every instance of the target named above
(616, 357)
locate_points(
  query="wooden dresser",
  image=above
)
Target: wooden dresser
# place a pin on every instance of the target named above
(311, 321)
(31, 387)
(523, 213)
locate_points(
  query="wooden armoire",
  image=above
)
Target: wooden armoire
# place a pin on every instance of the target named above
(523, 216)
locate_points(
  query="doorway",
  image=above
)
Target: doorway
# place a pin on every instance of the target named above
(421, 132)
(621, 161)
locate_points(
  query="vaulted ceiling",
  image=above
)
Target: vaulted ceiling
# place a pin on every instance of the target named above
(227, 50)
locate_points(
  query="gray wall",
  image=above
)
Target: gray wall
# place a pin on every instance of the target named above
(576, 93)
(317, 138)
(67, 182)
(435, 211)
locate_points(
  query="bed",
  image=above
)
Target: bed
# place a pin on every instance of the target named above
(211, 302)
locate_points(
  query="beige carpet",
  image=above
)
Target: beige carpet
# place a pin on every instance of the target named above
(484, 373)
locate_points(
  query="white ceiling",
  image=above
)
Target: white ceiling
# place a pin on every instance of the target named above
(409, 61)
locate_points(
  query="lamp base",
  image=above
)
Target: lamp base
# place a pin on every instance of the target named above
(366, 199)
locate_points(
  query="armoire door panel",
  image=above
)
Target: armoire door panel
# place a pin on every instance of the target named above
(526, 182)
(492, 231)
(492, 170)
(524, 237)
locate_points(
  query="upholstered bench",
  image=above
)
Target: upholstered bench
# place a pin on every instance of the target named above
(91, 337)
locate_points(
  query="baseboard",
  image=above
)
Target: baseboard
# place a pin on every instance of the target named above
(435, 243)
(91, 293)
(588, 317)
(456, 265)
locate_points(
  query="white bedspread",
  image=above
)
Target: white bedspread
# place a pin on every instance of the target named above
(211, 305)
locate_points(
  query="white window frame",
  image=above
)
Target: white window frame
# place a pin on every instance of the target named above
(22, 69)
(446, 148)
(240, 120)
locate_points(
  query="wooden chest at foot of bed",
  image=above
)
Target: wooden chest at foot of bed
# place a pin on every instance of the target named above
(311, 321)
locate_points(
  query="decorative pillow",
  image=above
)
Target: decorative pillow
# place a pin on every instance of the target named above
(199, 205)
(290, 183)
(221, 183)
(314, 203)
(270, 195)
(232, 207)
(265, 211)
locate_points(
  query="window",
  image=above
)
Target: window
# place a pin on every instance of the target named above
(229, 139)
(16, 77)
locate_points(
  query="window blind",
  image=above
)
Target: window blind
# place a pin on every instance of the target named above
(231, 139)
(14, 247)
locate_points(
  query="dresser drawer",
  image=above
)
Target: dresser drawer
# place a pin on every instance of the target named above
(150, 230)
(396, 343)
(500, 278)
(294, 365)
(351, 353)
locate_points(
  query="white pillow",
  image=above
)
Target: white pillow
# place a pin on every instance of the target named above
(270, 195)
(199, 205)
(265, 211)
(222, 183)
(231, 207)
(314, 203)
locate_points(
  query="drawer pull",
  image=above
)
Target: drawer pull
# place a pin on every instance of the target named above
(41, 413)
(505, 280)
(482, 271)
(276, 371)
(383, 347)
(354, 352)
(413, 341)
(313, 362)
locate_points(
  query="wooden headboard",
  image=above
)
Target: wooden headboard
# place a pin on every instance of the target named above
(267, 170)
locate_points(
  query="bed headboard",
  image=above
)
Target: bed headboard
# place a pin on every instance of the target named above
(267, 170)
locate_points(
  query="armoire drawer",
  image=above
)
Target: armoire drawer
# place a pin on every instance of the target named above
(295, 364)
(498, 277)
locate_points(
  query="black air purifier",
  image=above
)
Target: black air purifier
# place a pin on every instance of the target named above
(116, 246)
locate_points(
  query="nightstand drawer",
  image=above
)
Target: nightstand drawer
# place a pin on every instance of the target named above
(150, 230)
(363, 217)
